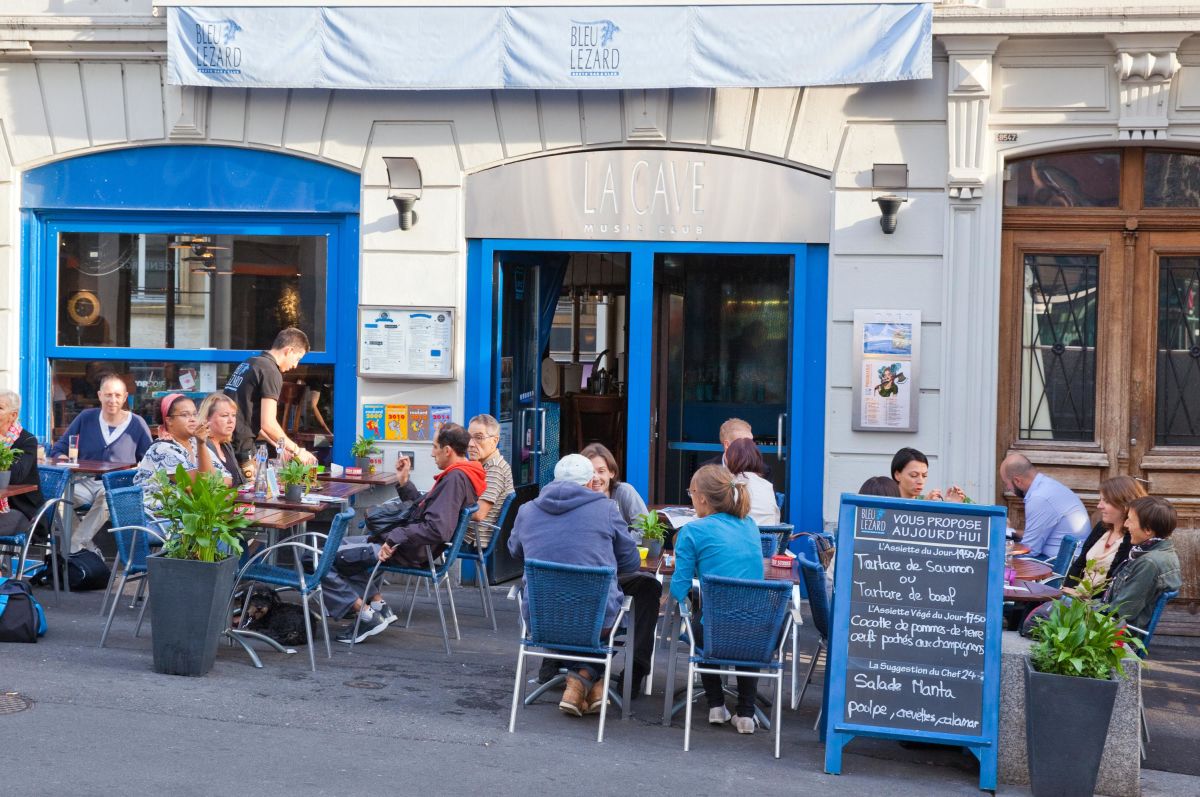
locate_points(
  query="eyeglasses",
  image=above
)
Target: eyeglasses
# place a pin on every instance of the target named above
(479, 438)
(184, 415)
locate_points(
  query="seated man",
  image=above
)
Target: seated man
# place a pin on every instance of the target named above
(1052, 511)
(431, 522)
(485, 437)
(109, 434)
(570, 524)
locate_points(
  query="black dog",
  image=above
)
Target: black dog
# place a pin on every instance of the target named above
(280, 620)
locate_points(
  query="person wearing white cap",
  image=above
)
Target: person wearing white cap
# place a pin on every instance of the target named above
(569, 524)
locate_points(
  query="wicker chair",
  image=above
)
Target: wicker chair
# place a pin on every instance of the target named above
(483, 554)
(813, 576)
(52, 481)
(132, 532)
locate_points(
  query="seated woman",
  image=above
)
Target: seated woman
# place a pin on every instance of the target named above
(219, 412)
(17, 512)
(1153, 565)
(722, 541)
(1107, 547)
(182, 442)
(745, 462)
(910, 469)
(607, 481)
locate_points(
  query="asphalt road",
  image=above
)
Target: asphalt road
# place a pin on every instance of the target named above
(396, 714)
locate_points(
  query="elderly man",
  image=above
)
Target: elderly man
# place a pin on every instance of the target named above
(432, 522)
(485, 437)
(109, 434)
(569, 524)
(1052, 511)
(732, 429)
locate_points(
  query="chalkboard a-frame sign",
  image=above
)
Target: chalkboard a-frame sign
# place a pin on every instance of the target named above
(915, 647)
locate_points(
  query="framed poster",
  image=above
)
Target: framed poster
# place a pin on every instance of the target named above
(409, 342)
(887, 352)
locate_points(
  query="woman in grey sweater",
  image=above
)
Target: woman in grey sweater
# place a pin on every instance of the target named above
(607, 481)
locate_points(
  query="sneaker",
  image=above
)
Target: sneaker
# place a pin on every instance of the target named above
(744, 724)
(366, 628)
(718, 715)
(386, 613)
(596, 697)
(574, 698)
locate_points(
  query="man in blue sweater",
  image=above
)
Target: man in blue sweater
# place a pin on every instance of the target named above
(569, 524)
(109, 434)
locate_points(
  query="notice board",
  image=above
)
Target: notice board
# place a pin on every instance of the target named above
(406, 342)
(914, 648)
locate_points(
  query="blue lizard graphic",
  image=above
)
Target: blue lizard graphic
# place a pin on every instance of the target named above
(608, 29)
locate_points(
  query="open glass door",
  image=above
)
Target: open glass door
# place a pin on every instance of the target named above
(518, 380)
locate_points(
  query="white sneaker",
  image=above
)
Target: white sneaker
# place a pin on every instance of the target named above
(744, 724)
(718, 715)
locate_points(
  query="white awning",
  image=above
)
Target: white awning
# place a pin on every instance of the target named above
(395, 45)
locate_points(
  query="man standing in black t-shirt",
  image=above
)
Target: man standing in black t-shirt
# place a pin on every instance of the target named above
(255, 386)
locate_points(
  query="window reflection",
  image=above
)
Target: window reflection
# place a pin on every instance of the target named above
(1068, 180)
(1172, 180)
(1177, 386)
(189, 291)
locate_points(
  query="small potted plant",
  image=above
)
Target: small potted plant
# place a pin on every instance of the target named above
(653, 531)
(8, 455)
(296, 478)
(192, 579)
(1078, 652)
(361, 450)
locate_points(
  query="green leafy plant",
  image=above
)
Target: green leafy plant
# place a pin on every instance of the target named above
(296, 472)
(363, 447)
(651, 527)
(203, 513)
(8, 455)
(1082, 636)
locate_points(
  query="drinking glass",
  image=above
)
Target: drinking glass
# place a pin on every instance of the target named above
(73, 448)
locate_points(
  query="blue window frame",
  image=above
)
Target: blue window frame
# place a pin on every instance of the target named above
(806, 405)
(175, 189)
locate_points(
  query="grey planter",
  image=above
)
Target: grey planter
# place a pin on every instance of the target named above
(363, 463)
(5, 478)
(1066, 725)
(654, 548)
(293, 493)
(188, 612)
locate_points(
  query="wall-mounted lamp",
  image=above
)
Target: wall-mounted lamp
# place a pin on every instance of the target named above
(889, 178)
(404, 182)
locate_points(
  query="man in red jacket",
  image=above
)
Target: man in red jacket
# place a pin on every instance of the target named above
(431, 522)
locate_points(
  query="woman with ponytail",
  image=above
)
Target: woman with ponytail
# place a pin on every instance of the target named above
(722, 541)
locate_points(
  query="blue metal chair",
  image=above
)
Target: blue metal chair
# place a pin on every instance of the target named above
(567, 607)
(258, 568)
(1062, 561)
(437, 574)
(52, 482)
(132, 532)
(813, 576)
(746, 626)
(118, 478)
(1147, 633)
(782, 532)
(482, 555)
(779, 499)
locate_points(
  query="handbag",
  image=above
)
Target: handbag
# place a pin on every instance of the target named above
(21, 616)
(385, 517)
(85, 570)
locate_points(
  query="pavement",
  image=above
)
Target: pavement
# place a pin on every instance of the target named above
(396, 715)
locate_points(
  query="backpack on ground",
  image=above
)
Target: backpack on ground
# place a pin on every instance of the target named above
(21, 616)
(85, 570)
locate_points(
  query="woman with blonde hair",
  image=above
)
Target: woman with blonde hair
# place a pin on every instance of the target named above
(1108, 545)
(219, 411)
(721, 541)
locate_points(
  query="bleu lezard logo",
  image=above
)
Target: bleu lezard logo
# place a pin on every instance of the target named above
(217, 52)
(592, 52)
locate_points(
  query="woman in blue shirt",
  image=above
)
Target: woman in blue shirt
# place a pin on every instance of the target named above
(722, 541)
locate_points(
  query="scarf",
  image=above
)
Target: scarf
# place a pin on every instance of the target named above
(8, 439)
(472, 470)
(1145, 548)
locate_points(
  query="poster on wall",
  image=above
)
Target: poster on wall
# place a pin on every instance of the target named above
(410, 342)
(887, 346)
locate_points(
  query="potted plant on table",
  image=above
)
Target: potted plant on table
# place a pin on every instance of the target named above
(362, 449)
(193, 577)
(653, 531)
(8, 455)
(296, 478)
(1070, 688)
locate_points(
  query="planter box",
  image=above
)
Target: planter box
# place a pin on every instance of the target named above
(188, 612)
(1066, 725)
(1120, 768)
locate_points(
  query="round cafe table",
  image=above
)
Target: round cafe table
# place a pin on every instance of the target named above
(1031, 569)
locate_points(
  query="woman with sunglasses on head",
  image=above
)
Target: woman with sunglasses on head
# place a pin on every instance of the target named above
(219, 412)
(182, 441)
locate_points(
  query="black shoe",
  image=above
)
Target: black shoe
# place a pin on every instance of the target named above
(366, 628)
(387, 614)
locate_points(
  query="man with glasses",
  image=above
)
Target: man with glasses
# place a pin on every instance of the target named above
(109, 434)
(485, 437)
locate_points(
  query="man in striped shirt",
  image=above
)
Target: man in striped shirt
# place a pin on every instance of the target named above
(485, 437)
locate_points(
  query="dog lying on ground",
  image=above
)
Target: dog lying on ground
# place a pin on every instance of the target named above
(270, 616)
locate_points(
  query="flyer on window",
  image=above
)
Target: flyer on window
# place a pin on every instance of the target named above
(887, 346)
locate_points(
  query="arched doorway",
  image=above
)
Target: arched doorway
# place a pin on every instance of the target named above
(1099, 368)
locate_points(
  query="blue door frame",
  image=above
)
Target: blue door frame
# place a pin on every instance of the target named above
(172, 189)
(805, 432)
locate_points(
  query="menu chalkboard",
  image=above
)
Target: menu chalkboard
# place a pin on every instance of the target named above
(915, 646)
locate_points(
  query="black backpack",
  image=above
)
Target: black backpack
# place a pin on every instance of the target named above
(21, 616)
(85, 570)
